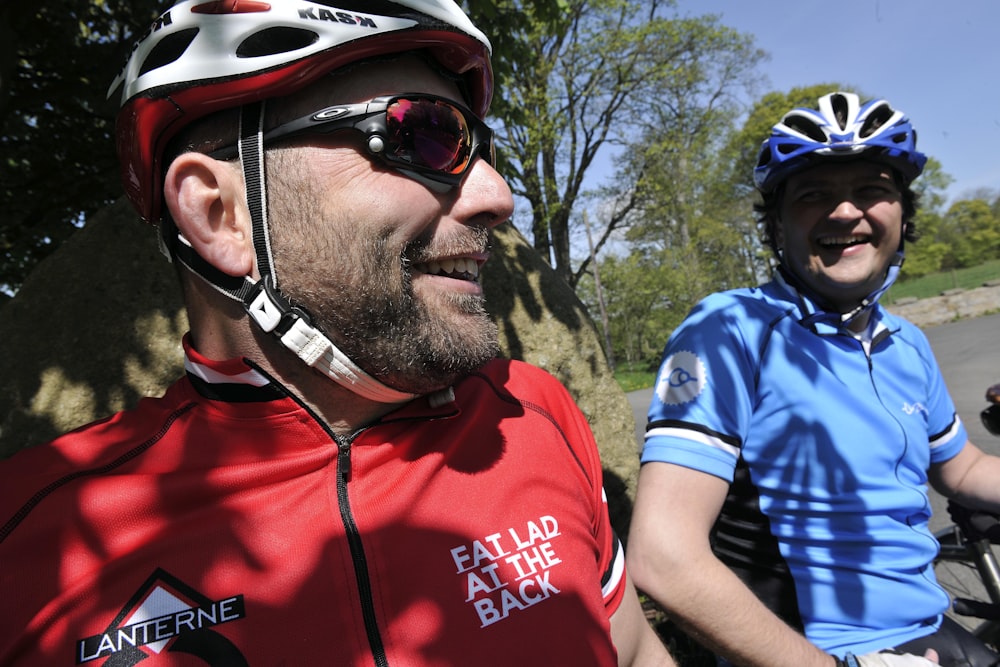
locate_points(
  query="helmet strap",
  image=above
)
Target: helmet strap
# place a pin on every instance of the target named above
(831, 316)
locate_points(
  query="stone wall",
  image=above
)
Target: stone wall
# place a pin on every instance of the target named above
(950, 305)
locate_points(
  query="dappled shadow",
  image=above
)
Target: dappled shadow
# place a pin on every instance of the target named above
(266, 525)
(520, 286)
(95, 328)
(828, 485)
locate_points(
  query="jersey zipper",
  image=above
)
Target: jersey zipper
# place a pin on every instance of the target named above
(358, 555)
(365, 597)
(881, 336)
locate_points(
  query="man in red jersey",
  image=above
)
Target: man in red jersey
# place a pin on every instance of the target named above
(345, 475)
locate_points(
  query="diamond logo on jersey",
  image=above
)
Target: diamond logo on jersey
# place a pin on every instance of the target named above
(682, 378)
(166, 615)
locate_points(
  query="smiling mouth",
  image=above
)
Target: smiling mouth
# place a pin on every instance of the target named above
(836, 242)
(461, 268)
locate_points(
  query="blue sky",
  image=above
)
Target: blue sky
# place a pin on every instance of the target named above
(937, 60)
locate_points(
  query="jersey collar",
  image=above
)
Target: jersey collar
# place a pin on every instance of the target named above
(238, 381)
(823, 322)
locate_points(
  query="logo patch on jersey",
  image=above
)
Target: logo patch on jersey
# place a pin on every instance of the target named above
(166, 615)
(914, 408)
(508, 572)
(682, 378)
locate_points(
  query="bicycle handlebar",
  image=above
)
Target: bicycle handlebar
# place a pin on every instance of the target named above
(987, 611)
(975, 524)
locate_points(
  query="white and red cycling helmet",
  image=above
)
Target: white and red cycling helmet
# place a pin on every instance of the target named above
(203, 56)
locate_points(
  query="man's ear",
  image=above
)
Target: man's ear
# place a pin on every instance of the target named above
(778, 234)
(207, 203)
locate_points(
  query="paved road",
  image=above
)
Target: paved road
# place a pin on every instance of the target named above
(968, 352)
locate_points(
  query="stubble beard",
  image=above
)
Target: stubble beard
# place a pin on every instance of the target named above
(414, 345)
(357, 287)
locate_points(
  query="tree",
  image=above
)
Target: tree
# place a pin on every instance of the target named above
(598, 75)
(639, 311)
(929, 253)
(56, 61)
(972, 232)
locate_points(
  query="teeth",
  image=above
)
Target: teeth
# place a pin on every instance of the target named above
(451, 267)
(843, 240)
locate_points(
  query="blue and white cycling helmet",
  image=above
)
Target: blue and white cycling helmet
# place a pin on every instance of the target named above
(841, 127)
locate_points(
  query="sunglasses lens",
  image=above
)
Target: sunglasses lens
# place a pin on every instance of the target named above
(428, 134)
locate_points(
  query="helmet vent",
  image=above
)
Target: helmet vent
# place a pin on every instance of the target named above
(805, 126)
(169, 49)
(840, 106)
(764, 157)
(276, 40)
(878, 117)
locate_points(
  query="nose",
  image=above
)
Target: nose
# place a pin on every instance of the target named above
(484, 198)
(846, 210)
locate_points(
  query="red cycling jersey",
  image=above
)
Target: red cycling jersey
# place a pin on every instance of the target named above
(224, 524)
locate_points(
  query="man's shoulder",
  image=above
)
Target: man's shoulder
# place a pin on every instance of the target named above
(903, 328)
(518, 376)
(762, 298)
(94, 443)
(742, 310)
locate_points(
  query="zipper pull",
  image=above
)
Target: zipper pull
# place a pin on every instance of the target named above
(344, 460)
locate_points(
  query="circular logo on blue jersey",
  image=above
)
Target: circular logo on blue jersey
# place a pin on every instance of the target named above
(681, 379)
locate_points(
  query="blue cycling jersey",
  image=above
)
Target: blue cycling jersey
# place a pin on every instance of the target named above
(826, 439)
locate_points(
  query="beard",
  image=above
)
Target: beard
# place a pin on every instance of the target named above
(354, 278)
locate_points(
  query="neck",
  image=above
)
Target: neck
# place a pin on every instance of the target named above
(860, 323)
(343, 411)
(220, 329)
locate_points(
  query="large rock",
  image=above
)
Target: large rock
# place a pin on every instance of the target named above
(98, 325)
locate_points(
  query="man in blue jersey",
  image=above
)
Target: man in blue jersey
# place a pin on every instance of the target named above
(782, 511)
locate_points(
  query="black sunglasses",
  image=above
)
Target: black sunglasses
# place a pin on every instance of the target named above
(419, 134)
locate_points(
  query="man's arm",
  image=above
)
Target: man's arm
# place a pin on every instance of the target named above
(671, 560)
(971, 477)
(633, 636)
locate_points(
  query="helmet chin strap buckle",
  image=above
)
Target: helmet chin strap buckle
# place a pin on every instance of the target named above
(275, 315)
(270, 310)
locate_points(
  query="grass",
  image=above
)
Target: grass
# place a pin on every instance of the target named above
(635, 375)
(935, 283)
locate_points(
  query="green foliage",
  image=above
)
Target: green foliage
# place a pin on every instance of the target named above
(924, 259)
(603, 73)
(973, 233)
(967, 234)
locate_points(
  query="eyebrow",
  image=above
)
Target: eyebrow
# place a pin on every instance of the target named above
(881, 176)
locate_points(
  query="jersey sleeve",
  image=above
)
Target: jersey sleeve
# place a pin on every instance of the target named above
(945, 431)
(609, 551)
(703, 397)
